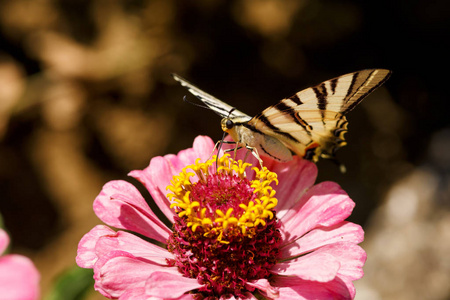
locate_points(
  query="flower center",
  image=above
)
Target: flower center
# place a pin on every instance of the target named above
(225, 231)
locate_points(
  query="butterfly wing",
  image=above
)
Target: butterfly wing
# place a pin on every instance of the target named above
(218, 106)
(312, 122)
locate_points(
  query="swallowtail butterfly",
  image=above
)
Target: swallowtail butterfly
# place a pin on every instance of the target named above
(310, 124)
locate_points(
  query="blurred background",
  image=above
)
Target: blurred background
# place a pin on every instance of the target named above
(86, 96)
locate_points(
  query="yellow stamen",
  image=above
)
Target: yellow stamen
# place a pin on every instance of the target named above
(219, 224)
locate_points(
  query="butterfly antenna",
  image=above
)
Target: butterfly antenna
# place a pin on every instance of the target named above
(185, 99)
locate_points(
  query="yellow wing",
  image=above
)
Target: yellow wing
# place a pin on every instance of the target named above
(312, 122)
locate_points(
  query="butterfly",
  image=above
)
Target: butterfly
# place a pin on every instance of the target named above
(310, 124)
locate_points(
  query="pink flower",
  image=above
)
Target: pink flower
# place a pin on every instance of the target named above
(19, 278)
(230, 237)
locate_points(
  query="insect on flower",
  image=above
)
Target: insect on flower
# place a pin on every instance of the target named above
(311, 123)
(237, 232)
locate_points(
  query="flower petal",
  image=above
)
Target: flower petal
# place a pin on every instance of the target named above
(130, 243)
(135, 294)
(139, 294)
(293, 288)
(120, 205)
(342, 232)
(294, 177)
(156, 177)
(325, 204)
(86, 255)
(351, 257)
(19, 278)
(119, 271)
(202, 148)
(263, 285)
(169, 286)
(316, 266)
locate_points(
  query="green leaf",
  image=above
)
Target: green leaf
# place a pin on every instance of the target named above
(74, 284)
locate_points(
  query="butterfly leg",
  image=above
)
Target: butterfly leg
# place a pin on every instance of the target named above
(219, 147)
(255, 154)
(235, 149)
(218, 150)
(232, 149)
(216, 147)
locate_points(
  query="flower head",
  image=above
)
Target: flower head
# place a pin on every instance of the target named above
(225, 232)
(237, 232)
(19, 278)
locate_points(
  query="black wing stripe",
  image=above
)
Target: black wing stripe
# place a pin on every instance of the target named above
(350, 88)
(296, 99)
(275, 129)
(333, 84)
(321, 94)
(351, 106)
(355, 78)
(288, 110)
(251, 127)
(213, 105)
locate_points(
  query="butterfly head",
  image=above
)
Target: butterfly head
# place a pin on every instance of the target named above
(227, 124)
(233, 127)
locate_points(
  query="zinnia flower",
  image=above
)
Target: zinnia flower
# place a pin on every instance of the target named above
(19, 278)
(238, 231)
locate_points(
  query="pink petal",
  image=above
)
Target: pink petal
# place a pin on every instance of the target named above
(263, 285)
(130, 243)
(325, 204)
(156, 177)
(4, 241)
(139, 294)
(294, 177)
(183, 297)
(169, 286)
(351, 257)
(120, 205)
(202, 148)
(119, 271)
(316, 238)
(135, 294)
(19, 278)
(293, 288)
(86, 255)
(314, 266)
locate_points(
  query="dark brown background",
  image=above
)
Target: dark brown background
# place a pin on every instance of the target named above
(86, 96)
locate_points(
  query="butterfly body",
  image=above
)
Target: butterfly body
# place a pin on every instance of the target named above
(246, 135)
(311, 123)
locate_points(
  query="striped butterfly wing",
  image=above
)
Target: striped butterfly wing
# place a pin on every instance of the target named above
(218, 106)
(312, 122)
